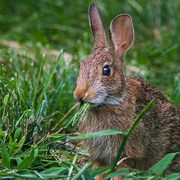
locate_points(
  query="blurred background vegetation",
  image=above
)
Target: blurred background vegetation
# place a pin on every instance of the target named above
(36, 90)
(64, 24)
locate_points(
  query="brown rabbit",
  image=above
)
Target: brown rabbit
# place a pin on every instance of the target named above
(116, 101)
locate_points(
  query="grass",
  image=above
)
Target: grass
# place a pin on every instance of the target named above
(37, 79)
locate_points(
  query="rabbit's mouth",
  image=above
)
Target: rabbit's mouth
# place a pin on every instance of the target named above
(96, 102)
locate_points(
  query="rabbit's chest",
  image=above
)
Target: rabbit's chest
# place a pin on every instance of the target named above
(103, 148)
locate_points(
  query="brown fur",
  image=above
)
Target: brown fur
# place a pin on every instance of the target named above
(117, 100)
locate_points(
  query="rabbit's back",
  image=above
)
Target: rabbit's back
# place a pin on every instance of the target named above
(161, 124)
(163, 118)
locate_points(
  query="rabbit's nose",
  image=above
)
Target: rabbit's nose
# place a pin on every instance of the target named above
(79, 93)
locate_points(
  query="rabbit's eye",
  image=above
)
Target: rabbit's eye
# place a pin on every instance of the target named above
(106, 70)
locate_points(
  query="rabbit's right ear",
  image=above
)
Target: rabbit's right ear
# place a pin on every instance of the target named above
(97, 27)
(121, 33)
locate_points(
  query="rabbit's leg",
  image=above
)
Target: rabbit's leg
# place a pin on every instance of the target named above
(98, 164)
(127, 162)
(120, 176)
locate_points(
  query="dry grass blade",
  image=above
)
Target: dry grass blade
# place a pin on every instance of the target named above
(80, 114)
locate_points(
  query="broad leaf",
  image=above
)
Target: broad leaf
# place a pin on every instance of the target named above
(118, 172)
(5, 156)
(27, 161)
(52, 170)
(162, 164)
(173, 176)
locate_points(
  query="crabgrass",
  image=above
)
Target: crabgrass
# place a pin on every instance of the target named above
(37, 79)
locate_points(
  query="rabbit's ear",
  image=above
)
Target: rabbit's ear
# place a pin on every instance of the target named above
(121, 33)
(97, 27)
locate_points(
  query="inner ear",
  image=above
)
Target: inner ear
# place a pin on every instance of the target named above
(121, 33)
(97, 27)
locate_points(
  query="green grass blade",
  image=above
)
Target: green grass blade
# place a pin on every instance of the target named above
(78, 175)
(177, 93)
(140, 116)
(56, 135)
(5, 156)
(100, 133)
(5, 101)
(47, 83)
(159, 167)
(17, 80)
(18, 122)
(28, 159)
(101, 170)
(37, 83)
(117, 173)
(39, 175)
(71, 168)
(172, 176)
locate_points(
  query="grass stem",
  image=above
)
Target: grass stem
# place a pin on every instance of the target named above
(136, 121)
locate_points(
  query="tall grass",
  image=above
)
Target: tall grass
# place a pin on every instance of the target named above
(30, 109)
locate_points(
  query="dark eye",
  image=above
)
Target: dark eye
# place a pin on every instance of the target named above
(106, 70)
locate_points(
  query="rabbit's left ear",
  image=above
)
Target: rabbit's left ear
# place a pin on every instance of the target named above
(97, 27)
(121, 33)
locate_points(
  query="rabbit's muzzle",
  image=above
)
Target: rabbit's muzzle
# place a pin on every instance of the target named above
(91, 95)
(80, 93)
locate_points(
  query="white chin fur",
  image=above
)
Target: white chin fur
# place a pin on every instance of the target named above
(113, 100)
(104, 98)
(105, 101)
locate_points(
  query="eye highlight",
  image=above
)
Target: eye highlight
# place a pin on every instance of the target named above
(106, 70)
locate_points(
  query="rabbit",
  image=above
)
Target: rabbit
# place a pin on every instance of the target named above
(116, 100)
